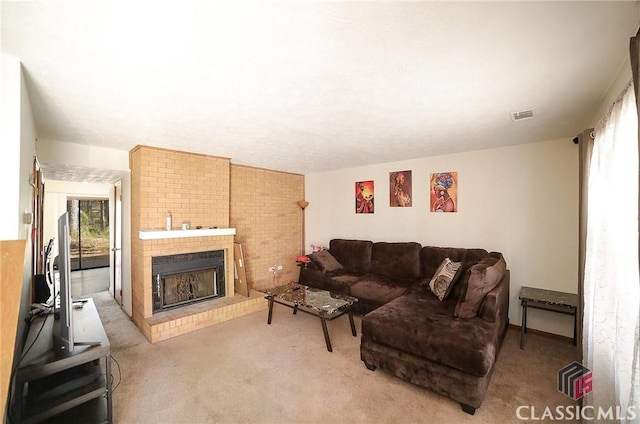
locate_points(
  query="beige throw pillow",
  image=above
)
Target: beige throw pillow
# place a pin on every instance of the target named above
(444, 277)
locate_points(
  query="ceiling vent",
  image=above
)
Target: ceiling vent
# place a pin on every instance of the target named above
(519, 116)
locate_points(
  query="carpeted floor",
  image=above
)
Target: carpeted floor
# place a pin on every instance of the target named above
(245, 371)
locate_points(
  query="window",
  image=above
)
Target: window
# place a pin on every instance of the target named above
(89, 230)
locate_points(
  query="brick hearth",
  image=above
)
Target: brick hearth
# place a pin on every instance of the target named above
(183, 320)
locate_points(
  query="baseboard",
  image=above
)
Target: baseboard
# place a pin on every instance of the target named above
(542, 333)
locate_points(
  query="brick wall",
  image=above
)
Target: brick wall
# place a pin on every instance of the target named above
(195, 188)
(268, 222)
(208, 191)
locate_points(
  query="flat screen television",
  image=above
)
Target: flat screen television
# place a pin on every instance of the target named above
(63, 326)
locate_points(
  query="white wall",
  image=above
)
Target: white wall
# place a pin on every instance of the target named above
(520, 200)
(10, 133)
(17, 132)
(27, 155)
(82, 155)
(27, 152)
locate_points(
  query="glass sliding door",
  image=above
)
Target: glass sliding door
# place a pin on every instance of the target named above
(89, 233)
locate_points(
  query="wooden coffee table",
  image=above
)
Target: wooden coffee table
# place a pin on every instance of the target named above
(317, 302)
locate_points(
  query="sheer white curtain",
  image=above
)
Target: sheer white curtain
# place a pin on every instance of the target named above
(611, 282)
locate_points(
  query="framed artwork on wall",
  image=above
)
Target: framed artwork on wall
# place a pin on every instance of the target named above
(364, 197)
(444, 192)
(400, 189)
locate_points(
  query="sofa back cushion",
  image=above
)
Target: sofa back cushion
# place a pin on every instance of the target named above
(353, 255)
(396, 260)
(431, 257)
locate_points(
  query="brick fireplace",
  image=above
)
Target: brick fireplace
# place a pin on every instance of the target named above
(187, 278)
(195, 189)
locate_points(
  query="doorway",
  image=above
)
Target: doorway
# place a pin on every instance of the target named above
(89, 233)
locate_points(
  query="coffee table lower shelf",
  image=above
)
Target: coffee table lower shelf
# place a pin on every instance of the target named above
(293, 296)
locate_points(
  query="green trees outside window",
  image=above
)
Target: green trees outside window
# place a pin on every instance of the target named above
(89, 231)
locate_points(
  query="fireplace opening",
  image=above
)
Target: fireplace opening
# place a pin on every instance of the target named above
(187, 278)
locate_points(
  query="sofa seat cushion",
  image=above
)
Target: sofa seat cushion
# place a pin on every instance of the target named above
(419, 324)
(346, 278)
(335, 281)
(376, 289)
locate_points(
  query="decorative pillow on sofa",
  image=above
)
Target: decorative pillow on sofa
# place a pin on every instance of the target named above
(483, 277)
(325, 261)
(444, 278)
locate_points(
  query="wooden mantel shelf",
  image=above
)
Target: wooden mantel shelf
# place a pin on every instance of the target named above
(156, 234)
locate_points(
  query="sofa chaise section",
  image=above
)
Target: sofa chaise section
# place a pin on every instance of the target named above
(417, 338)
(446, 341)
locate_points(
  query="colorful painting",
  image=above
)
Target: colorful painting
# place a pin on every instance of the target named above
(444, 192)
(364, 197)
(400, 189)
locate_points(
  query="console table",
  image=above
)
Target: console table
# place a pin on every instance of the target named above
(549, 300)
(48, 384)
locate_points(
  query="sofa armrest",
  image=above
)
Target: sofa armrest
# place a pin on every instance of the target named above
(495, 306)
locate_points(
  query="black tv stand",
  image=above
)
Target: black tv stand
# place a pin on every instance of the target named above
(49, 385)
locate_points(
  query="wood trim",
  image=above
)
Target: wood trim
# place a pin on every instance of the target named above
(542, 333)
(38, 219)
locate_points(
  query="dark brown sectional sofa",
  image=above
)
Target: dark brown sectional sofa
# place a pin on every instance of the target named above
(449, 346)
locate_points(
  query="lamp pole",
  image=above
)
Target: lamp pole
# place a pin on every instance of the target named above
(303, 205)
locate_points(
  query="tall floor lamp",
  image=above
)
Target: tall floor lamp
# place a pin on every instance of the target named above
(303, 204)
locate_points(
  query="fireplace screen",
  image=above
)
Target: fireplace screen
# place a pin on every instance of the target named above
(187, 286)
(187, 278)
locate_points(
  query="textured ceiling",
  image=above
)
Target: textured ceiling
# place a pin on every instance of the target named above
(310, 86)
(81, 174)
